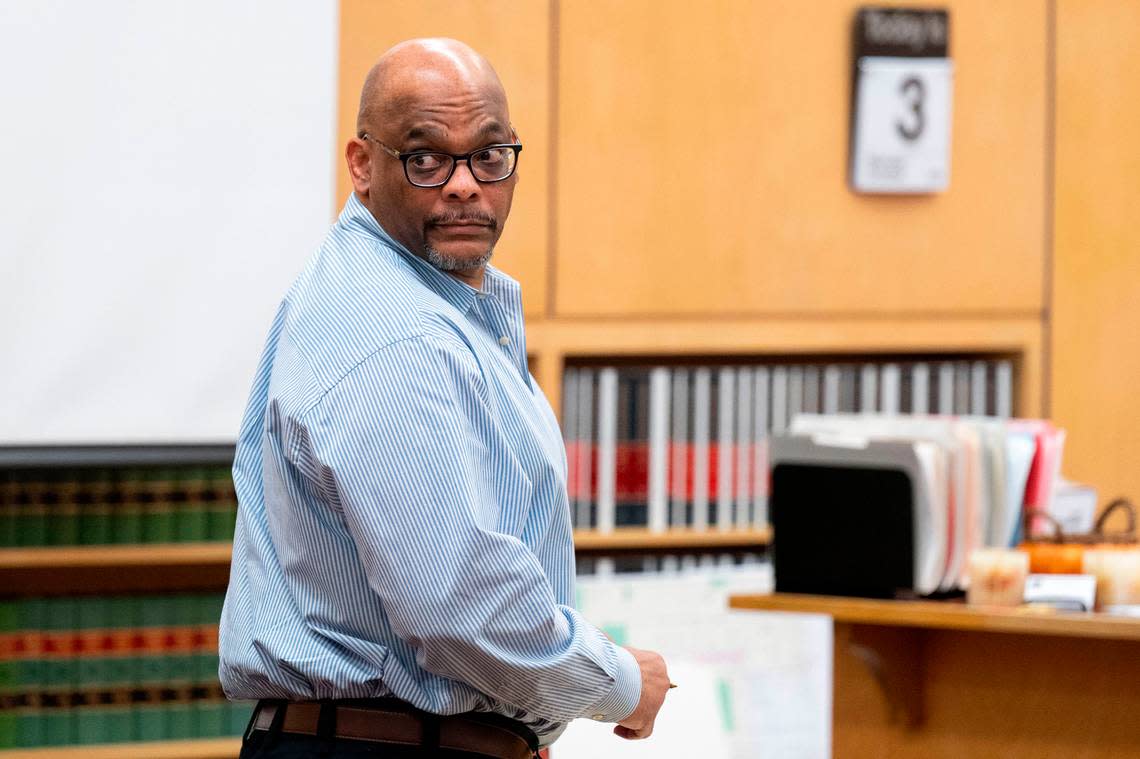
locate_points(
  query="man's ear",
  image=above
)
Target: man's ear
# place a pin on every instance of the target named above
(359, 165)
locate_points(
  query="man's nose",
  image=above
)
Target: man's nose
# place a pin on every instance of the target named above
(462, 184)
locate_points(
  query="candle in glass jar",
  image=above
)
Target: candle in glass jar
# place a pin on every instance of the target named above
(997, 577)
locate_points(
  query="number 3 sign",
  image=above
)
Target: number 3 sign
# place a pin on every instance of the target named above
(903, 84)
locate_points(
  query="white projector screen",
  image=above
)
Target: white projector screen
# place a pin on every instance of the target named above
(165, 170)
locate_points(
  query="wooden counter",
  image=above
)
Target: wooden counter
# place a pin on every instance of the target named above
(939, 679)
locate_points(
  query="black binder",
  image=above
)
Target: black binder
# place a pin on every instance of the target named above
(842, 530)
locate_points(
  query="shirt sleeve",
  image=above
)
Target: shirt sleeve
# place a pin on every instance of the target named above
(426, 479)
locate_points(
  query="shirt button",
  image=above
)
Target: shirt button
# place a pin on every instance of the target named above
(504, 340)
(599, 717)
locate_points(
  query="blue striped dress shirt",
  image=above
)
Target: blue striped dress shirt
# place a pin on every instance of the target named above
(403, 525)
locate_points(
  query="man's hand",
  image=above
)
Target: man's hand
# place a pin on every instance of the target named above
(654, 685)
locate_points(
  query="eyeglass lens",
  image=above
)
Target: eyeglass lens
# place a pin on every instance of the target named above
(489, 165)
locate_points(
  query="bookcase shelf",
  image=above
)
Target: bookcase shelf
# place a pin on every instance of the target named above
(114, 568)
(119, 556)
(205, 566)
(212, 748)
(591, 542)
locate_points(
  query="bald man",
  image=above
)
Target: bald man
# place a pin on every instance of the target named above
(403, 567)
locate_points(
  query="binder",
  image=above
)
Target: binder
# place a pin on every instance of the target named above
(658, 494)
(679, 450)
(607, 451)
(726, 446)
(702, 403)
(851, 517)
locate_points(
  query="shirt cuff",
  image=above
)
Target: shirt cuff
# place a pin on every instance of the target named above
(626, 693)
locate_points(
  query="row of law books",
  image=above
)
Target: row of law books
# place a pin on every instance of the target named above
(98, 506)
(686, 446)
(152, 717)
(971, 478)
(95, 669)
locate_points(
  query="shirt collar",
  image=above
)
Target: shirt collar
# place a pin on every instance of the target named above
(459, 294)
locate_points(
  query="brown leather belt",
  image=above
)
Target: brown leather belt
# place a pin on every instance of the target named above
(393, 725)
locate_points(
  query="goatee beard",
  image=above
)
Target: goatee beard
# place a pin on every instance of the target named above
(444, 262)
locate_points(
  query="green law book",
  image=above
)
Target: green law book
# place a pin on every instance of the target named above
(93, 639)
(126, 509)
(90, 725)
(31, 515)
(30, 728)
(148, 721)
(29, 667)
(104, 723)
(118, 723)
(9, 728)
(154, 614)
(122, 668)
(59, 728)
(180, 720)
(223, 506)
(240, 713)
(211, 718)
(59, 497)
(209, 612)
(193, 512)
(183, 630)
(153, 490)
(206, 668)
(10, 641)
(60, 664)
(95, 526)
(9, 484)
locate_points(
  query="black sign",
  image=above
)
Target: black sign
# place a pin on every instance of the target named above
(902, 33)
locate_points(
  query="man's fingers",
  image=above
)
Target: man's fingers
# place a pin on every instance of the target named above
(633, 735)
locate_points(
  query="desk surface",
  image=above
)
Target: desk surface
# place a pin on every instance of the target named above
(946, 615)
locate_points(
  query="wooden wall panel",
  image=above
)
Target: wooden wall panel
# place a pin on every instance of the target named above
(703, 161)
(1095, 376)
(515, 36)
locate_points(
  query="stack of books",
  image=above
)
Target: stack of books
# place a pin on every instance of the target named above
(93, 506)
(109, 669)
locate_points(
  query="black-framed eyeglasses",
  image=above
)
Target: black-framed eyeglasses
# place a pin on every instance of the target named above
(430, 168)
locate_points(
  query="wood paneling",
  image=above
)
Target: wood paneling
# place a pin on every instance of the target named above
(1096, 284)
(515, 36)
(702, 165)
(993, 695)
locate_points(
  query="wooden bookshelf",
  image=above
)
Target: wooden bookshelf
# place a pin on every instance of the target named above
(121, 556)
(114, 568)
(587, 542)
(205, 566)
(207, 748)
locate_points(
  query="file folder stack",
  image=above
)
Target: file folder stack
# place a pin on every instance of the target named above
(852, 492)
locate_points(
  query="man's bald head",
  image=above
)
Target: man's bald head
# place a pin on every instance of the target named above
(417, 69)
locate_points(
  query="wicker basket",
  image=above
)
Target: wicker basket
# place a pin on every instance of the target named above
(1098, 536)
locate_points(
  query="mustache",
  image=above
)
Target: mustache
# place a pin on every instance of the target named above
(462, 217)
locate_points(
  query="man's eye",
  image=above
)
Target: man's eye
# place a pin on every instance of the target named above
(490, 157)
(425, 161)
